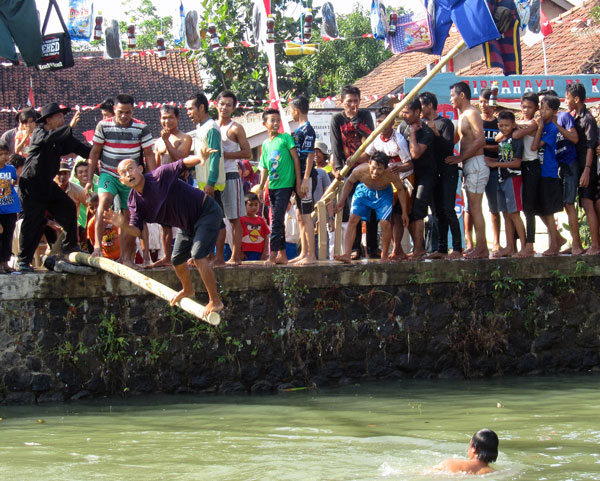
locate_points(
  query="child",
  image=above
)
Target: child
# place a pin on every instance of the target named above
(254, 231)
(509, 190)
(530, 167)
(111, 247)
(550, 192)
(280, 164)
(304, 136)
(483, 449)
(10, 205)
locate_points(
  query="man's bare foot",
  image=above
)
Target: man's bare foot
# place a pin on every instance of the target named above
(97, 252)
(398, 257)
(218, 263)
(576, 251)
(210, 307)
(504, 252)
(146, 260)
(270, 262)
(233, 262)
(436, 255)
(478, 254)
(526, 251)
(282, 260)
(180, 295)
(550, 252)
(561, 241)
(592, 251)
(345, 258)
(417, 255)
(385, 259)
(297, 259)
(495, 248)
(454, 255)
(306, 261)
(568, 250)
(163, 261)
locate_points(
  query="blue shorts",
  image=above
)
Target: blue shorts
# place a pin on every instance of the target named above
(569, 176)
(365, 200)
(510, 195)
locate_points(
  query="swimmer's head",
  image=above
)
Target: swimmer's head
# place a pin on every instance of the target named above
(485, 444)
(378, 163)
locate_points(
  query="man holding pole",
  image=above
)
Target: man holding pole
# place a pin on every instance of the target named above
(160, 196)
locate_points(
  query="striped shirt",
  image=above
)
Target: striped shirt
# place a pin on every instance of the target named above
(119, 143)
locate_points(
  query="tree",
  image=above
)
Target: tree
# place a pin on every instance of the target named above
(244, 70)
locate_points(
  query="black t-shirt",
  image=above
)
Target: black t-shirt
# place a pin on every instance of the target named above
(347, 134)
(490, 130)
(426, 164)
(444, 143)
(587, 129)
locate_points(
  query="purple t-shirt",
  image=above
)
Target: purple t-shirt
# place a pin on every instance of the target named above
(166, 200)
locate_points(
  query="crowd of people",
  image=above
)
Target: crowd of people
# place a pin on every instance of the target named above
(126, 184)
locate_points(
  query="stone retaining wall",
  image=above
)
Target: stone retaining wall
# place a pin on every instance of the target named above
(67, 337)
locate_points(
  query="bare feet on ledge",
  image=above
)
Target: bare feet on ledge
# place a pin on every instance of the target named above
(478, 254)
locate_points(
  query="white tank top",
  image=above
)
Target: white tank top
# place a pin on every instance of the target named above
(229, 145)
(528, 153)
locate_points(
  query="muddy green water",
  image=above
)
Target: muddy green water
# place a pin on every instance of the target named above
(549, 429)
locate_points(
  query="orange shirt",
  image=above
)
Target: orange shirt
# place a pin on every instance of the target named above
(111, 247)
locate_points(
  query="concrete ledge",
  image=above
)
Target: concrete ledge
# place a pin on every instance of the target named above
(50, 285)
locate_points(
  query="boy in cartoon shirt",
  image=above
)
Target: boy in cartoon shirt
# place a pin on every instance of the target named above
(254, 231)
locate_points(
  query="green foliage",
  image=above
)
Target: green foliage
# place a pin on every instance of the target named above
(244, 70)
(111, 342)
(147, 25)
(67, 352)
(561, 282)
(504, 284)
(286, 282)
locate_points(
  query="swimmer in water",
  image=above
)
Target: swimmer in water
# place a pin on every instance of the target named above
(483, 449)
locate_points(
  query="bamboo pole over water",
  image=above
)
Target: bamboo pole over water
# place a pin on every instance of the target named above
(328, 196)
(146, 283)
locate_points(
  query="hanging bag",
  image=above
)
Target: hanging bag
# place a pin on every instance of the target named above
(57, 52)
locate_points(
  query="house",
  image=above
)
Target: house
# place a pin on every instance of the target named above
(94, 78)
(571, 30)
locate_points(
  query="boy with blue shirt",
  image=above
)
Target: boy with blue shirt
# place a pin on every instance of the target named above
(550, 193)
(568, 171)
(279, 163)
(10, 206)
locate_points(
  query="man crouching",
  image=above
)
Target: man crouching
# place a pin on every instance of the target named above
(374, 192)
(161, 196)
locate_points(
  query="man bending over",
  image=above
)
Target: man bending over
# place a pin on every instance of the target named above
(160, 196)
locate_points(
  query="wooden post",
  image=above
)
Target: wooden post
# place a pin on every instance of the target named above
(146, 283)
(328, 194)
(339, 232)
(323, 221)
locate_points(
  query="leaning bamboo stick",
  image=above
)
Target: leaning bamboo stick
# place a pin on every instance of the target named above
(328, 195)
(146, 283)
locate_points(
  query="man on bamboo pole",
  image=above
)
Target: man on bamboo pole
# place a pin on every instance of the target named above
(373, 195)
(161, 196)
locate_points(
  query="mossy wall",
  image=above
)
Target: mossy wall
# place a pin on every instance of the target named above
(66, 337)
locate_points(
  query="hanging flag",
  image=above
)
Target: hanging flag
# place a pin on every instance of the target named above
(179, 27)
(505, 52)
(545, 28)
(30, 97)
(472, 18)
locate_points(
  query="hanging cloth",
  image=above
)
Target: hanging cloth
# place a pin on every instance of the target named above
(19, 25)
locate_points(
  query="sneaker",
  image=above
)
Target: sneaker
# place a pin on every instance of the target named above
(24, 267)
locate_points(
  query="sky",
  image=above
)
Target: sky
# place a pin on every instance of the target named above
(116, 8)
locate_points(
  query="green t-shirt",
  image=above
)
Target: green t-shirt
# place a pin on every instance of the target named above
(278, 162)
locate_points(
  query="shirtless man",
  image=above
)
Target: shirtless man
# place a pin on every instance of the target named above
(476, 173)
(235, 147)
(172, 146)
(483, 449)
(374, 193)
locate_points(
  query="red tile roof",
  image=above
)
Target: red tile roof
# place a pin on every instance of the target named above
(387, 77)
(571, 48)
(94, 78)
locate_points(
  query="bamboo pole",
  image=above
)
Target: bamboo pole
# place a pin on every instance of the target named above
(328, 195)
(146, 283)
(322, 237)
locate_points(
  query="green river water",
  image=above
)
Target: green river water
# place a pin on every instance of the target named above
(549, 429)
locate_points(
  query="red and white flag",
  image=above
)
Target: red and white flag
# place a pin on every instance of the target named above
(30, 97)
